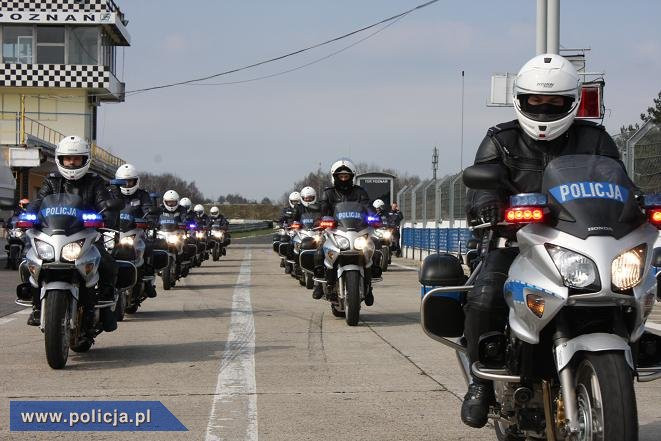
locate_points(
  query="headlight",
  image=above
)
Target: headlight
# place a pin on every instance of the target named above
(217, 234)
(360, 243)
(577, 270)
(172, 239)
(17, 233)
(71, 251)
(44, 250)
(127, 241)
(386, 234)
(342, 242)
(627, 268)
(200, 235)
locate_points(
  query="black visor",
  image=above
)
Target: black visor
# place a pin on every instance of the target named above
(545, 112)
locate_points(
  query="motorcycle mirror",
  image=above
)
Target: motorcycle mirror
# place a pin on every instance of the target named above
(487, 177)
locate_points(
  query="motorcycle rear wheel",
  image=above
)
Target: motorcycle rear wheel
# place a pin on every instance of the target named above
(57, 328)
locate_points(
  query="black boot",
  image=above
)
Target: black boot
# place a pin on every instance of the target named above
(150, 289)
(369, 296)
(475, 408)
(34, 319)
(318, 291)
(108, 319)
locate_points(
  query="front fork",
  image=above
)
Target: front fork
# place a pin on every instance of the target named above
(566, 376)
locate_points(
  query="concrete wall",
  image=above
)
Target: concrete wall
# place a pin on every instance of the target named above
(63, 110)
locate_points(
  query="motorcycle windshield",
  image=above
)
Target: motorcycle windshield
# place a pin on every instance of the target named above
(350, 216)
(309, 220)
(62, 213)
(168, 222)
(591, 196)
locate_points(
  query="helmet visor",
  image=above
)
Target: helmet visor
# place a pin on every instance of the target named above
(309, 198)
(171, 204)
(545, 108)
(72, 162)
(130, 183)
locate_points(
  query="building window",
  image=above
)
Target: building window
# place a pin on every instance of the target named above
(83, 45)
(109, 54)
(50, 44)
(17, 44)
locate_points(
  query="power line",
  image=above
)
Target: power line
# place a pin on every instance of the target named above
(318, 60)
(281, 57)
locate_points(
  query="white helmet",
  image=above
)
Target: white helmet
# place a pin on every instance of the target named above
(214, 212)
(199, 210)
(186, 203)
(171, 200)
(128, 173)
(308, 196)
(73, 146)
(294, 199)
(547, 74)
(343, 165)
(378, 204)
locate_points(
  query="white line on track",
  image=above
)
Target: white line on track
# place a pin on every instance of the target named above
(410, 268)
(11, 317)
(5, 320)
(234, 409)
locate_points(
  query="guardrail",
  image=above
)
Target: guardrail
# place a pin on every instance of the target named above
(238, 226)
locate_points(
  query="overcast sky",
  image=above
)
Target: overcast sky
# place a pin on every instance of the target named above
(387, 100)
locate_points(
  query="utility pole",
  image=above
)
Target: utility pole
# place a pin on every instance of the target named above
(461, 160)
(434, 161)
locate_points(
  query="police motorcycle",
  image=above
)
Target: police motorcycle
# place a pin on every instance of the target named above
(131, 247)
(15, 244)
(217, 240)
(62, 263)
(306, 240)
(170, 237)
(196, 243)
(383, 235)
(348, 246)
(579, 293)
(285, 247)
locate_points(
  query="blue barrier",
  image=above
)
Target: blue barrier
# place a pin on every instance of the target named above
(449, 240)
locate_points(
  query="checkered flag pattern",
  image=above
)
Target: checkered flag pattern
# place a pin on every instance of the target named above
(58, 6)
(54, 75)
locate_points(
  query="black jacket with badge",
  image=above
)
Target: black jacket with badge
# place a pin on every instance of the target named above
(332, 196)
(142, 205)
(91, 188)
(526, 158)
(287, 214)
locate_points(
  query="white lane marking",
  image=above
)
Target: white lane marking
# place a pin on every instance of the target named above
(234, 409)
(410, 268)
(5, 320)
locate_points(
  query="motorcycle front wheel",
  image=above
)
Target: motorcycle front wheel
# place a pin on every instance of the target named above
(120, 307)
(166, 276)
(352, 301)
(606, 398)
(57, 328)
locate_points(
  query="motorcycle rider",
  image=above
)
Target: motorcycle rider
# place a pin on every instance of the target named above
(187, 204)
(546, 100)
(200, 216)
(142, 206)
(395, 218)
(343, 173)
(287, 214)
(308, 204)
(378, 207)
(73, 157)
(216, 217)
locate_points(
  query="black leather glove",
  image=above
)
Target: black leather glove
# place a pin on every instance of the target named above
(492, 212)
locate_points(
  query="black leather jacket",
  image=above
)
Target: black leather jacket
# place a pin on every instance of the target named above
(526, 158)
(332, 196)
(395, 218)
(203, 221)
(141, 204)
(179, 214)
(91, 188)
(287, 214)
(301, 209)
(219, 220)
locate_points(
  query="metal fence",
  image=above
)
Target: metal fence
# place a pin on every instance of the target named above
(441, 201)
(641, 154)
